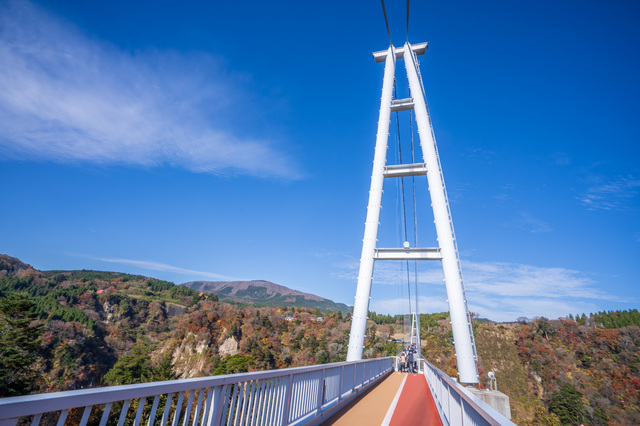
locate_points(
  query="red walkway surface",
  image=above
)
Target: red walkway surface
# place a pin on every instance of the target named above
(415, 406)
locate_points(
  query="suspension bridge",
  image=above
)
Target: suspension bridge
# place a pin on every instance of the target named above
(370, 391)
(373, 390)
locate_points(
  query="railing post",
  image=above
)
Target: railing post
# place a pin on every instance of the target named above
(219, 404)
(269, 403)
(196, 415)
(321, 392)
(187, 412)
(231, 405)
(450, 398)
(285, 417)
(105, 414)
(281, 400)
(355, 374)
(123, 413)
(154, 408)
(341, 383)
(63, 417)
(85, 415)
(141, 403)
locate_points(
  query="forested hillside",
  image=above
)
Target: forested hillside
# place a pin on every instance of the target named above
(62, 330)
(76, 329)
(554, 371)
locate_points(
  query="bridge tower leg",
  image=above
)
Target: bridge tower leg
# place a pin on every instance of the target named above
(361, 306)
(447, 251)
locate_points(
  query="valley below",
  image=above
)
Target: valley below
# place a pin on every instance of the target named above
(65, 330)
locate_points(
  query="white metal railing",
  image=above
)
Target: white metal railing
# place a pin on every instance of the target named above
(276, 397)
(456, 405)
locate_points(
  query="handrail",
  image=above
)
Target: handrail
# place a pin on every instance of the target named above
(284, 397)
(456, 405)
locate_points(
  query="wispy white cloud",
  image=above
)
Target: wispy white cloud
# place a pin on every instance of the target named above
(518, 280)
(496, 290)
(510, 309)
(561, 158)
(479, 154)
(163, 267)
(506, 291)
(65, 97)
(398, 305)
(526, 221)
(617, 193)
(506, 192)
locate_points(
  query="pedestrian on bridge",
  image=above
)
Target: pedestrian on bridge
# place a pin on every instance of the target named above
(403, 361)
(410, 362)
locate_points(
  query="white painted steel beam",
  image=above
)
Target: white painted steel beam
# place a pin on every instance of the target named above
(402, 170)
(419, 49)
(408, 254)
(365, 275)
(401, 104)
(459, 314)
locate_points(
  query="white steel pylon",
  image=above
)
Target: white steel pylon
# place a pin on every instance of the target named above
(414, 338)
(447, 251)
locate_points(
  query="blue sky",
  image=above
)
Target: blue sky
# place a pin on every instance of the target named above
(234, 141)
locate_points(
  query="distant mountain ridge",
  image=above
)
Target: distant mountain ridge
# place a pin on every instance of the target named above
(265, 293)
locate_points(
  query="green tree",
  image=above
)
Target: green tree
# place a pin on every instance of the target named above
(134, 368)
(568, 404)
(233, 364)
(544, 327)
(164, 370)
(19, 345)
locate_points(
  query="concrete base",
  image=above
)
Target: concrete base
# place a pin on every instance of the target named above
(497, 400)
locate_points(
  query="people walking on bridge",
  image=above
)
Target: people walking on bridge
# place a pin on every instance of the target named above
(403, 361)
(410, 364)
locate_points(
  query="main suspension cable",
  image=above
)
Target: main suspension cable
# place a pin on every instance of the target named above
(399, 275)
(403, 204)
(415, 213)
(386, 21)
(407, 20)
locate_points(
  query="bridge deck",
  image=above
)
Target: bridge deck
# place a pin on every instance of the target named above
(400, 399)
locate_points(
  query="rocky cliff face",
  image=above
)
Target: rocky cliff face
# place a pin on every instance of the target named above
(190, 357)
(228, 347)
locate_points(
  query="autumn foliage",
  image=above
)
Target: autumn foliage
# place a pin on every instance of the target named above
(101, 328)
(64, 330)
(601, 364)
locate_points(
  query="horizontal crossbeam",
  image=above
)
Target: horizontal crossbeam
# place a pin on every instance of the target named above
(401, 170)
(401, 104)
(408, 254)
(419, 49)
